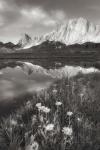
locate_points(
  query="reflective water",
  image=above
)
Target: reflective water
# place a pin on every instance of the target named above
(18, 82)
(15, 82)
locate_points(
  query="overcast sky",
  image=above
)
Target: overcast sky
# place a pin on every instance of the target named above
(37, 17)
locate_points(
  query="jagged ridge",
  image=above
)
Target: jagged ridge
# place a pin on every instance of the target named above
(75, 31)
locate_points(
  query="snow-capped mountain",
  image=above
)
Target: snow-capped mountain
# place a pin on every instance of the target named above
(74, 31)
(25, 41)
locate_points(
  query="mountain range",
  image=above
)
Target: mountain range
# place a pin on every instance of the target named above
(75, 33)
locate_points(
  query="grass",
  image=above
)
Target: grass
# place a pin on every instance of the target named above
(63, 117)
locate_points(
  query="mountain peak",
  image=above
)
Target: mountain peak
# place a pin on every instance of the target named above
(25, 40)
(77, 20)
(75, 31)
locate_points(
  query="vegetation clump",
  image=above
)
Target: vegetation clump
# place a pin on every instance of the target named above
(63, 117)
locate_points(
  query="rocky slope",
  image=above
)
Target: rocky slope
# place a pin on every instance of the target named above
(74, 31)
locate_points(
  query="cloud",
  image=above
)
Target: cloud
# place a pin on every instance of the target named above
(49, 22)
(40, 16)
(58, 15)
(1, 5)
(8, 13)
(37, 14)
(94, 8)
(1, 21)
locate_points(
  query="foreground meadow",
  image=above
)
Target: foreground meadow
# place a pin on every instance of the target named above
(63, 117)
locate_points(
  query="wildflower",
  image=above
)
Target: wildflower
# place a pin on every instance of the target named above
(33, 119)
(81, 95)
(69, 113)
(42, 108)
(21, 125)
(54, 91)
(26, 136)
(18, 115)
(33, 146)
(67, 131)
(32, 138)
(39, 126)
(46, 110)
(41, 118)
(58, 103)
(13, 122)
(49, 127)
(79, 119)
(28, 105)
(10, 129)
(38, 105)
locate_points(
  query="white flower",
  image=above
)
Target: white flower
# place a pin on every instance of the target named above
(41, 118)
(26, 135)
(38, 105)
(32, 138)
(18, 115)
(79, 119)
(28, 105)
(69, 113)
(54, 91)
(21, 125)
(33, 146)
(81, 95)
(13, 122)
(67, 131)
(49, 127)
(58, 103)
(10, 129)
(33, 119)
(42, 108)
(46, 110)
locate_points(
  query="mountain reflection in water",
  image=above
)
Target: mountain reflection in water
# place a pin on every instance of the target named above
(15, 83)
